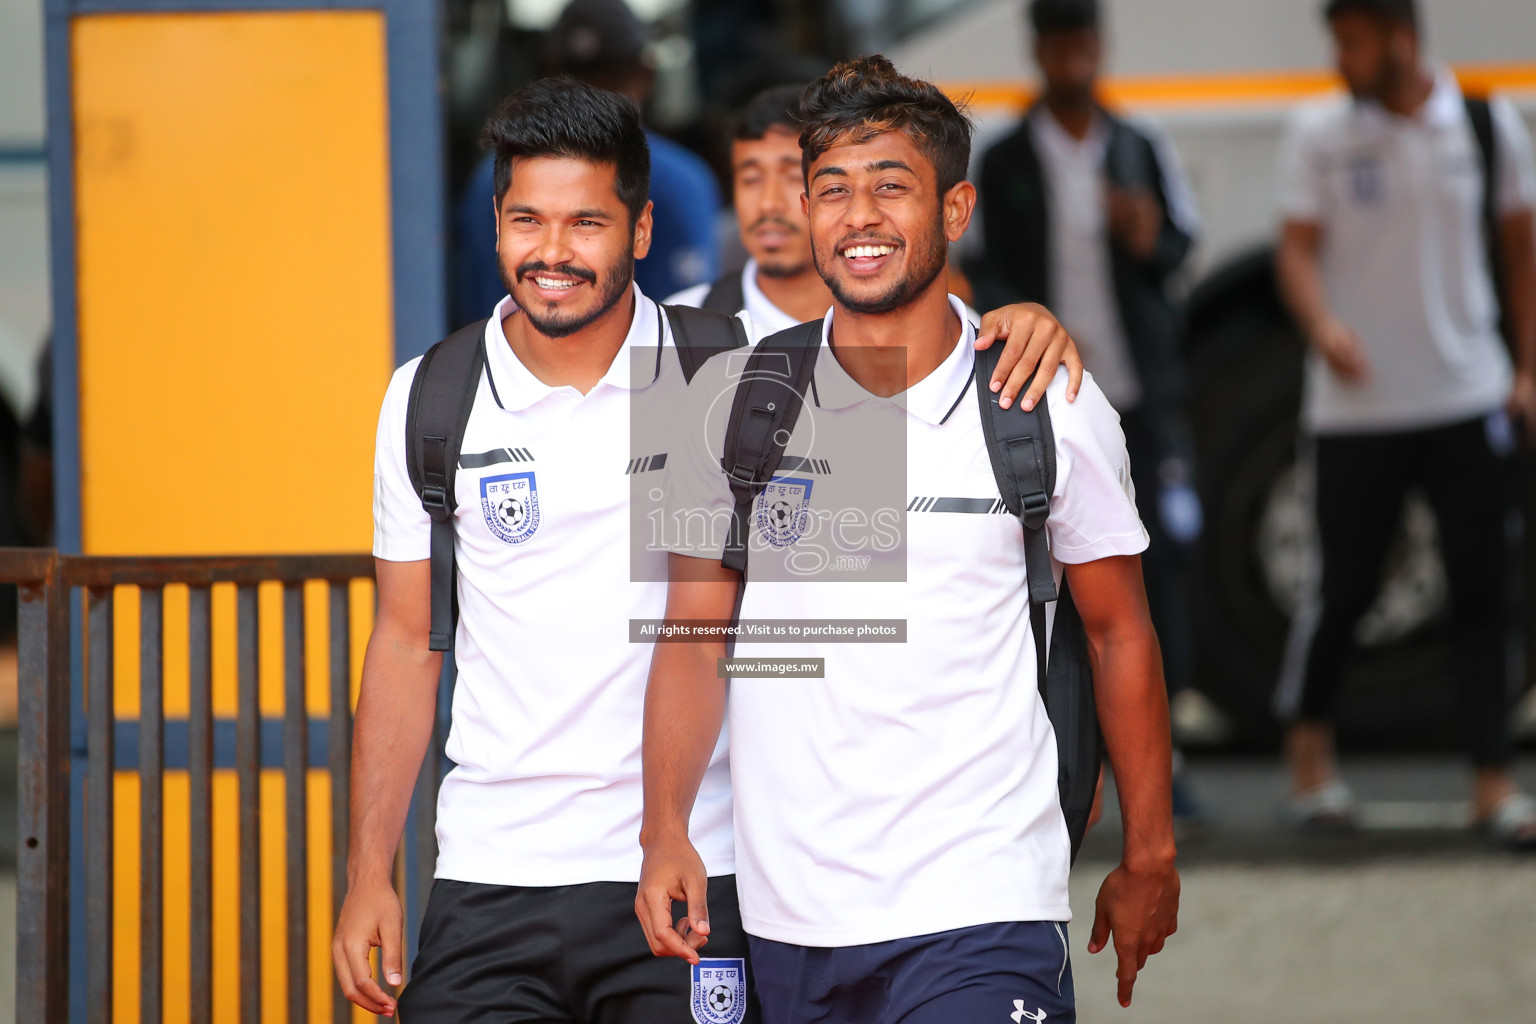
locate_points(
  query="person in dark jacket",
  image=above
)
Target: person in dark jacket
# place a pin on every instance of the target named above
(1091, 216)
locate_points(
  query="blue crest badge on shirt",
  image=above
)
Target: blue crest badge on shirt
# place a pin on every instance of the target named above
(1365, 180)
(784, 511)
(511, 506)
(719, 990)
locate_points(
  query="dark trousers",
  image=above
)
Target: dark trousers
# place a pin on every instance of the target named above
(1019, 971)
(1362, 482)
(567, 954)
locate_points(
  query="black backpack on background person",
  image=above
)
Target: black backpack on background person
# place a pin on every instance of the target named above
(442, 396)
(1022, 447)
(726, 295)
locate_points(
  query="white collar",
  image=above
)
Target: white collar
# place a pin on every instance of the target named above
(1051, 135)
(931, 399)
(516, 388)
(1443, 108)
(764, 313)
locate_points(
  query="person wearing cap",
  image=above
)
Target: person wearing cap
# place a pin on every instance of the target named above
(602, 43)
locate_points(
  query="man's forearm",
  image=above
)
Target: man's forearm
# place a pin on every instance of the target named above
(1133, 714)
(395, 712)
(684, 712)
(1301, 286)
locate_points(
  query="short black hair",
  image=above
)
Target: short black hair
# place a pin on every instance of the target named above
(778, 107)
(1046, 16)
(562, 117)
(862, 98)
(1391, 12)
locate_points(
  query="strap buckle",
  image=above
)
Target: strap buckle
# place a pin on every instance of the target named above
(434, 499)
(746, 476)
(1036, 509)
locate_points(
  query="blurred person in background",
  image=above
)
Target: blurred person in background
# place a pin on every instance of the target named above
(1091, 216)
(1397, 231)
(780, 287)
(602, 43)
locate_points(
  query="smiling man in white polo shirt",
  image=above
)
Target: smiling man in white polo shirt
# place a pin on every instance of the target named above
(901, 846)
(1390, 219)
(531, 914)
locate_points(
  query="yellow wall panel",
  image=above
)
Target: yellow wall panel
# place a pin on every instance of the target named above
(232, 209)
(234, 278)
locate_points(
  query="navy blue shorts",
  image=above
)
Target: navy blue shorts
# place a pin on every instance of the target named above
(1018, 971)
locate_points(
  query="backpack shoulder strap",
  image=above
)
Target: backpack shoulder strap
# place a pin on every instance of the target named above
(1480, 113)
(1481, 116)
(764, 410)
(442, 395)
(1022, 448)
(698, 334)
(726, 295)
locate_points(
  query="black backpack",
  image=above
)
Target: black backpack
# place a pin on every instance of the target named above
(442, 395)
(726, 295)
(1022, 447)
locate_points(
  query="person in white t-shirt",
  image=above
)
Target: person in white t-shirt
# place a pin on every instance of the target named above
(779, 287)
(1391, 211)
(531, 913)
(901, 849)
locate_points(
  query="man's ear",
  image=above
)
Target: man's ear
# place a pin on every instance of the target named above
(496, 217)
(958, 205)
(643, 225)
(805, 204)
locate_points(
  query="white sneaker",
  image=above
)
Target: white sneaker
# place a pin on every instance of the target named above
(1329, 807)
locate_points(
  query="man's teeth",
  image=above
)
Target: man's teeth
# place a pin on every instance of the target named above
(854, 252)
(554, 282)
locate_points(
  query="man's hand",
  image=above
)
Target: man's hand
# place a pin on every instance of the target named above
(1135, 219)
(370, 916)
(672, 870)
(1035, 340)
(1522, 405)
(1343, 350)
(1140, 909)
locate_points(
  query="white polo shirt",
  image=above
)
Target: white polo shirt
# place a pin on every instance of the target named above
(768, 317)
(548, 706)
(913, 789)
(1404, 254)
(1082, 279)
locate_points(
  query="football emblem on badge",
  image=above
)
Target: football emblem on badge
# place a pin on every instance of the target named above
(784, 511)
(719, 990)
(511, 506)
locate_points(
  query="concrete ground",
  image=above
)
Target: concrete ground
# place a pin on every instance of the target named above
(1412, 920)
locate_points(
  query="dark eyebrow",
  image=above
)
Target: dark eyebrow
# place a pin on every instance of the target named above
(879, 165)
(578, 215)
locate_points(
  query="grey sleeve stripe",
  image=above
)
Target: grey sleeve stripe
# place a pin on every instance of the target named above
(970, 506)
